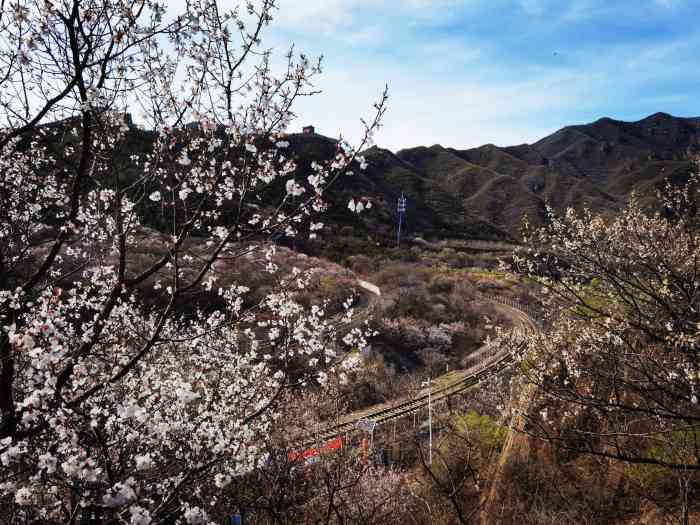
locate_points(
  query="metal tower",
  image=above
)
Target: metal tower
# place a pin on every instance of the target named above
(401, 208)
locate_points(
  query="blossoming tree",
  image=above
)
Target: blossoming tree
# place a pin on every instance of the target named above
(120, 391)
(616, 372)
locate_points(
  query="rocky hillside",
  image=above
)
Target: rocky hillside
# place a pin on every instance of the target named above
(485, 192)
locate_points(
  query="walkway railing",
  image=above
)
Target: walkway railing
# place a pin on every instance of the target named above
(460, 381)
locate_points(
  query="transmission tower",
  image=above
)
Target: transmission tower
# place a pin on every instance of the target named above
(401, 208)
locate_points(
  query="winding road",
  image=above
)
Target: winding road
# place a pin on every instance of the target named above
(444, 386)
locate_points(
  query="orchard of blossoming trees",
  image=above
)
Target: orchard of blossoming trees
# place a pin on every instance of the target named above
(147, 410)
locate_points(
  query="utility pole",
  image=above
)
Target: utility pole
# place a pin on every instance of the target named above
(401, 208)
(367, 425)
(430, 424)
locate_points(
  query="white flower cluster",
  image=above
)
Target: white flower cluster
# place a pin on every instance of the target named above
(128, 392)
(621, 335)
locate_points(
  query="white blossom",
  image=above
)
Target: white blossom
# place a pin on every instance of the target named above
(184, 159)
(143, 462)
(294, 189)
(23, 496)
(196, 516)
(138, 356)
(139, 515)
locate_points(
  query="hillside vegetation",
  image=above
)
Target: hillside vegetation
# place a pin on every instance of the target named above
(485, 192)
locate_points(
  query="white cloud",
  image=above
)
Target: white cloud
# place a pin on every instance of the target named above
(331, 15)
(425, 110)
(326, 16)
(532, 7)
(372, 35)
(581, 10)
(450, 53)
(654, 55)
(447, 88)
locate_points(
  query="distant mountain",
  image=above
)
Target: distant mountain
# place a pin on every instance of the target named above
(486, 191)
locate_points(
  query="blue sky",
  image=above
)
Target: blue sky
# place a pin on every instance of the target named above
(470, 72)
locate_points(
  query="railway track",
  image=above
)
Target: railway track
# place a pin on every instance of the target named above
(458, 382)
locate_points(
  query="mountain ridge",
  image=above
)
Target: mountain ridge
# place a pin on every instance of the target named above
(485, 192)
(596, 165)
